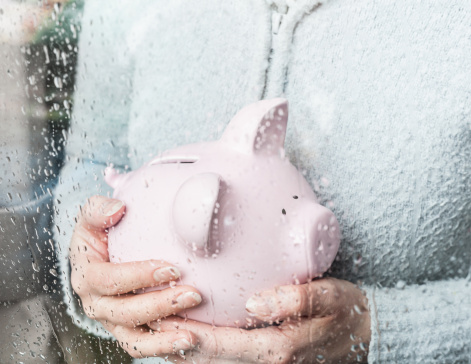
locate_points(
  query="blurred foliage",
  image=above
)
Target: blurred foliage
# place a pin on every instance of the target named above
(57, 38)
(52, 59)
(62, 27)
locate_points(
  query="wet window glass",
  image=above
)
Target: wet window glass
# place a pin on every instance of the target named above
(251, 181)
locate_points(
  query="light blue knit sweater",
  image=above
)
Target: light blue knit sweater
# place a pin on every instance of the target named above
(380, 121)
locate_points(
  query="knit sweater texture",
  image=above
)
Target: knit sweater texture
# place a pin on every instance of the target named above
(379, 123)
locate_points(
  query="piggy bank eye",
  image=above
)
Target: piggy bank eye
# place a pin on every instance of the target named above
(173, 160)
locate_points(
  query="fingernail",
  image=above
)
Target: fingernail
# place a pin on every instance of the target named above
(259, 306)
(166, 274)
(188, 299)
(252, 305)
(112, 207)
(182, 344)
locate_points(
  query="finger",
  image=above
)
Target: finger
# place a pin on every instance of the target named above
(267, 345)
(90, 239)
(100, 213)
(134, 310)
(272, 344)
(110, 279)
(140, 342)
(318, 298)
(194, 356)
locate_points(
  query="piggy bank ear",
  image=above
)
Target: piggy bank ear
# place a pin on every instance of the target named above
(258, 128)
(193, 209)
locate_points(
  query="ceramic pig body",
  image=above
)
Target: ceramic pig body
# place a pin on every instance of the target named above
(233, 215)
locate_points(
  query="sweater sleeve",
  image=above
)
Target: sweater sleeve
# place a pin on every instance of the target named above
(98, 134)
(427, 323)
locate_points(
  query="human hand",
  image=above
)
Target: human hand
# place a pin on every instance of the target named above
(105, 288)
(325, 321)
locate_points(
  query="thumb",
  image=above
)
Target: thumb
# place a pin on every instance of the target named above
(318, 298)
(100, 213)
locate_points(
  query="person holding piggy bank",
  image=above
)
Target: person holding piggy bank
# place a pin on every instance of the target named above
(378, 127)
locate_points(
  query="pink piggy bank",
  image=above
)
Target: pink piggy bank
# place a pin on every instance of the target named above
(234, 215)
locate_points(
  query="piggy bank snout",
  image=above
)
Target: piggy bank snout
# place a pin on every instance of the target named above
(193, 209)
(325, 237)
(322, 232)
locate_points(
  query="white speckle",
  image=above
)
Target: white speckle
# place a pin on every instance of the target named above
(400, 284)
(323, 110)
